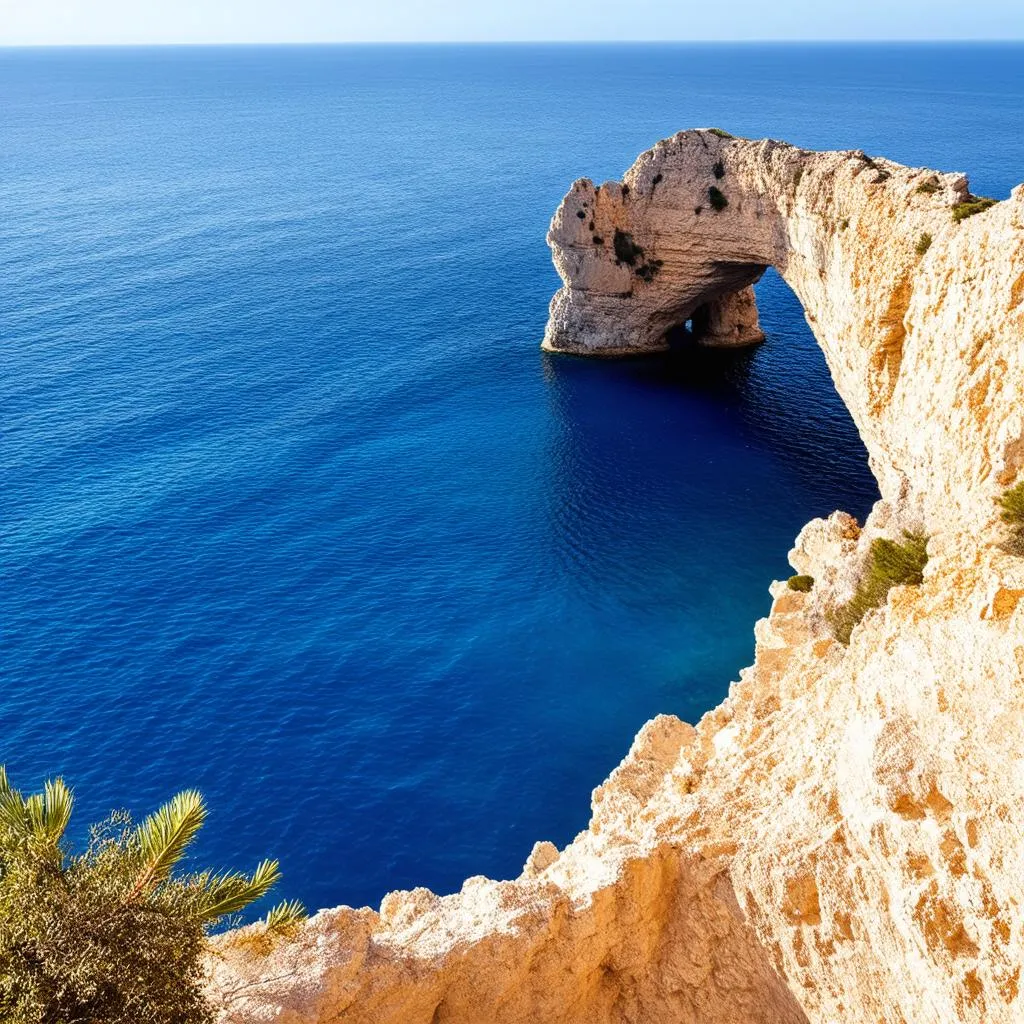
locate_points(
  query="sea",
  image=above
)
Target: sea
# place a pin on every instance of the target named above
(294, 509)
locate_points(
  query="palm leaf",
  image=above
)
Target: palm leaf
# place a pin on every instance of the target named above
(35, 816)
(13, 816)
(47, 814)
(58, 802)
(231, 892)
(41, 819)
(164, 836)
(286, 916)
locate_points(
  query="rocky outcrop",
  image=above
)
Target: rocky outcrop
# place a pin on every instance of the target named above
(842, 840)
(915, 312)
(728, 321)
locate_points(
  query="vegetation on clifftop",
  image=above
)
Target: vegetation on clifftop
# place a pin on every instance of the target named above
(111, 935)
(973, 205)
(890, 564)
(1011, 505)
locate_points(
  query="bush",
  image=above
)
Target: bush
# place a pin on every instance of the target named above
(929, 188)
(1012, 505)
(717, 200)
(718, 170)
(924, 243)
(802, 584)
(721, 133)
(973, 205)
(1012, 513)
(890, 564)
(650, 270)
(844, 223)
(657, 178)
(626, 250)
(110, 935)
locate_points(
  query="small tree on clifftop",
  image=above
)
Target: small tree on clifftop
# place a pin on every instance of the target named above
(111, 935)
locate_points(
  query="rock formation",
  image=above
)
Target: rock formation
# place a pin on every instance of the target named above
(842, 840)
(728, 321)
(911, 309)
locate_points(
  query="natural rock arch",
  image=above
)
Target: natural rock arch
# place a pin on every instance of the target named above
(905, 301)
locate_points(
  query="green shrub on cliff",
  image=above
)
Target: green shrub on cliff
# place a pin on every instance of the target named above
(649, 270)
(1011, 505)
(890, 564)
(974, 204)
(717, 199)
(110, 935)
(626, 250)
(802, 584)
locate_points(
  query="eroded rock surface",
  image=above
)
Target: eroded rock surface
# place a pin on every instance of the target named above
(842, 839)
(728, 321)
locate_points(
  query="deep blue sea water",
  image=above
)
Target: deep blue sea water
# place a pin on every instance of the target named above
(294, 509)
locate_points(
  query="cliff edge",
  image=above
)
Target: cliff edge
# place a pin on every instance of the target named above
(842, 839)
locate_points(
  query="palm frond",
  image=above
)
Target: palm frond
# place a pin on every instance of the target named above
(233, 891)
(164, 836)
(46, 814)
(35, 811)
(13, 816)
(286, 916)
(58, 802)
(38, 821)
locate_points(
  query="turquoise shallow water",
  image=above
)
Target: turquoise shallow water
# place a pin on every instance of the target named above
(295, 510)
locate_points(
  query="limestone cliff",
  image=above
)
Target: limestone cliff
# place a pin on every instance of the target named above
(842, 840)
(915, 312)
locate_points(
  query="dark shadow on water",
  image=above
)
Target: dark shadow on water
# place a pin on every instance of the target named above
(769, 407)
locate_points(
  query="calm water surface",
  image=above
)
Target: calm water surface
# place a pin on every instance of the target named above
(294, 509)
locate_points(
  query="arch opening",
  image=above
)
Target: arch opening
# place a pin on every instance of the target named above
(721, 318)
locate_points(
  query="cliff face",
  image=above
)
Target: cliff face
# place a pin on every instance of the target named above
(843, 838)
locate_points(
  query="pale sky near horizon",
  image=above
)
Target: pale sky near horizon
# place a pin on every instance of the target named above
(57, 22)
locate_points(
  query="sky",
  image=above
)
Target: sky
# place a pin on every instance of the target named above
(58, 22)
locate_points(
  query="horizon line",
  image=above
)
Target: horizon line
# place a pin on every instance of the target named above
(820, 41)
